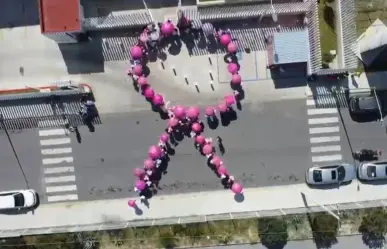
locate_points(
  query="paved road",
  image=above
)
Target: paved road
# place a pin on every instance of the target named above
(353, 242)
(369, 135)
(26, 144)
(267, 145)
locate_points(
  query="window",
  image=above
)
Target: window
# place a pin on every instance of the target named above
(341, 173)
(317, 176)
(371, 171)
(334, 175)
(19, 200)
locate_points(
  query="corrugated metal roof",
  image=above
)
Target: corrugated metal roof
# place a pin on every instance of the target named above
(291, 47)
(59, 16)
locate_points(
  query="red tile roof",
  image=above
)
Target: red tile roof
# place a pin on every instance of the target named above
(59, 16)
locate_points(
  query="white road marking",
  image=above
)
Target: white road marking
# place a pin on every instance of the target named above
(313, 121)
(56, 141)
(319, 149)
(66, 188)
(53, 132)
(58, 170)
(319, 130)
(57, 151)
(62, 198)
(57, 160)
(320, 111)
(316, 140)
(310, 102)
(59, 179)
(328, 158)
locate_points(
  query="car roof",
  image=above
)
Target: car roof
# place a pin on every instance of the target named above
(7, 201)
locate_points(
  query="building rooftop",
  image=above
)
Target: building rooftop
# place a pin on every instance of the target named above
(290, 47)
(59, 16)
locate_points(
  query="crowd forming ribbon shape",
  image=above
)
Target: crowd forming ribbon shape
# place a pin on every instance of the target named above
(181, 119)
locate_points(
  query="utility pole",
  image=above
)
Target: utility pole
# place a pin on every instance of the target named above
(320, 205)
(13, 149)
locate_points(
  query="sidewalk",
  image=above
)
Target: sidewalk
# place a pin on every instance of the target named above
(193, 207)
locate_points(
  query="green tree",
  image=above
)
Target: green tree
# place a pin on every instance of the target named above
(273, 232)
(325, 229)
(167, 240)
(373, 227)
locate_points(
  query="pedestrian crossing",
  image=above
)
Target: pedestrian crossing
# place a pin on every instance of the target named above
(58, 165)
(324, 133)
(324, 97)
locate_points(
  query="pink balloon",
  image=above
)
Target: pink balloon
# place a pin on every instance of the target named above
(232, 48)
(136, 52)
(179, 112)
(210, 111)
(132, 203)
(167, 28)
(230, 100)
(137, 70)
(173, 122)
(138, 172)
(154, 152)
(208, 149)
(149, 164)
(196, 127)
(149, 93)
(225, 39)
(216, 161)
(232, 68)
(158, 99)
(223, 107)
(200, 139)
(140, 185)
(193, 112)
(237, 188)
(142, 81)
(164, 137)
(236, 79)
(222, 170)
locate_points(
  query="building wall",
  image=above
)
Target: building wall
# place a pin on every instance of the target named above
(62, 37)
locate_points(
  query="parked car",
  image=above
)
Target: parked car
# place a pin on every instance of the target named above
(18, 199)
(364, 105)
(370, 171)
(330, 174)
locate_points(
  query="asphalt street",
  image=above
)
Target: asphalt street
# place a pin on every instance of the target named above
(356, 136)
(353, 242)
(268, 145)
(26, 144)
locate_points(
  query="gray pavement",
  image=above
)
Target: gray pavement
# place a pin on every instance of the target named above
(268, 145)
(355, 135)
(26, 144)
(353, 242)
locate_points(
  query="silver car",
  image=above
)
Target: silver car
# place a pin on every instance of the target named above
(330, 174)
(371, 171)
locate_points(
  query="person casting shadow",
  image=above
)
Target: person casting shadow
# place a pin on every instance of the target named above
(220, 145)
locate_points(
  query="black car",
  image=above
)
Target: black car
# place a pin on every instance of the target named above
(364, 105)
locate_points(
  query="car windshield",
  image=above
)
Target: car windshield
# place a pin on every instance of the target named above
(19, 200)
(371, 171)
(341, 173)
(317, 176)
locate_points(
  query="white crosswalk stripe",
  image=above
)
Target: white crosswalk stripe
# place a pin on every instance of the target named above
(324, 131)
(58, 165)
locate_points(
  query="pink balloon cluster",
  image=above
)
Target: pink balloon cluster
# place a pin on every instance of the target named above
(179, 114)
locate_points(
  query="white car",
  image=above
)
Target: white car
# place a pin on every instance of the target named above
(18, 199)
(331, 174)
(371, 171)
